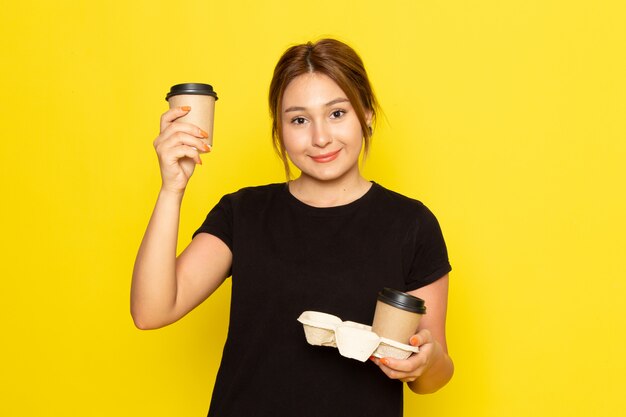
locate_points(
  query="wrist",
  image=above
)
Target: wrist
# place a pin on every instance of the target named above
(437, 373)
(170, 194)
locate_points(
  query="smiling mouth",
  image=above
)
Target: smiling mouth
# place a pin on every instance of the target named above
(326, 157)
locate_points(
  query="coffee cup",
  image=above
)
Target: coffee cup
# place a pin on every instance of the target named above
(397, 315)
(201, 98)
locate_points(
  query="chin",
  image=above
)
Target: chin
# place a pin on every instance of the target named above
(326, 174)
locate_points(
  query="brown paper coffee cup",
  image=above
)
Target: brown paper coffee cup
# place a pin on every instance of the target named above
(397, 315)
(201, 98)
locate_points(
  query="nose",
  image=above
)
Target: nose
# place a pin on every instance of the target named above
(322, 135)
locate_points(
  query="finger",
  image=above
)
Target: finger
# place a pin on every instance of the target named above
(179, 127)
(421, 338)
(181, 138)
(402, 365)
(186, 152)
(392, 373)
(173, 114)
(189, 128)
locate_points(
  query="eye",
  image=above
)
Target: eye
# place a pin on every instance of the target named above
(336, 114)
(298, 120)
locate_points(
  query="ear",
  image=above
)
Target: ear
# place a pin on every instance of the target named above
(368, 117)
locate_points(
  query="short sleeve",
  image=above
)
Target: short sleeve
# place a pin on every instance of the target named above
(429, 253)
(219, 222)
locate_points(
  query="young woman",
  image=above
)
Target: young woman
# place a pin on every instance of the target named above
(327, 241)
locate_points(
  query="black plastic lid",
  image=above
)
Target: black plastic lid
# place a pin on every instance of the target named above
(402, 300)
(191, 88)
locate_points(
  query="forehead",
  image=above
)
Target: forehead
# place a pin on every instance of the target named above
(311, 89)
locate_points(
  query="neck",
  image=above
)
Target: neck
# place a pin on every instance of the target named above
(338, 192)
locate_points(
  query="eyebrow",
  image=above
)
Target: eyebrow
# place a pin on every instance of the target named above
(330, 103)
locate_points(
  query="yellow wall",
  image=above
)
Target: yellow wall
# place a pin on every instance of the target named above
(506, 117)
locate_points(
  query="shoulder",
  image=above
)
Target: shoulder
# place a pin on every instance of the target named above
(401, 204)
(408, 212)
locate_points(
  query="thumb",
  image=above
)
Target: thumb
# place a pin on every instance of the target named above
(421, 338)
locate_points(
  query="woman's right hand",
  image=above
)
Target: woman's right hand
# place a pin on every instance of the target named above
(178, 147)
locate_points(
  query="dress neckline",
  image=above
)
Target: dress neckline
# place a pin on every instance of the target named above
(330, 211)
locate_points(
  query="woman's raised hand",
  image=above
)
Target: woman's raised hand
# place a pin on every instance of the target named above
(178, 147)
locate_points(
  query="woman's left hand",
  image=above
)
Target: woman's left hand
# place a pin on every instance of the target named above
(410, 369)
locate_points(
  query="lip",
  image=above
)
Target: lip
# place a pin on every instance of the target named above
(327, 157)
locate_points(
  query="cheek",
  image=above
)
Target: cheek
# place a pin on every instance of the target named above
(293, 138)
(350, 131)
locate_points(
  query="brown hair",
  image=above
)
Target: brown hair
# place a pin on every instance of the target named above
(340, 63)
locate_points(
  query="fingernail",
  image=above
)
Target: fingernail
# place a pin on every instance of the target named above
(385, 362)
(413, 341)
(204, 134)
(200, 161)
(206, 148)
(186, 108)
(372, 358)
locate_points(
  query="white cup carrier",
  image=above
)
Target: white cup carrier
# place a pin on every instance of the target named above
(354, 340)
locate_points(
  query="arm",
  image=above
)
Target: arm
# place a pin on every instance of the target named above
(165, 288)
(431, 368)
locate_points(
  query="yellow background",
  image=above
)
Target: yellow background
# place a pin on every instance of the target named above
(507, 118)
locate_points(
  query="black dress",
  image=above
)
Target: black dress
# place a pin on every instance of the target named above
(289, 257)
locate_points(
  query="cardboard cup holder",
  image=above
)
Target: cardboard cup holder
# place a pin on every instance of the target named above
(391, 349)
(319, 328)
(354, 340)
